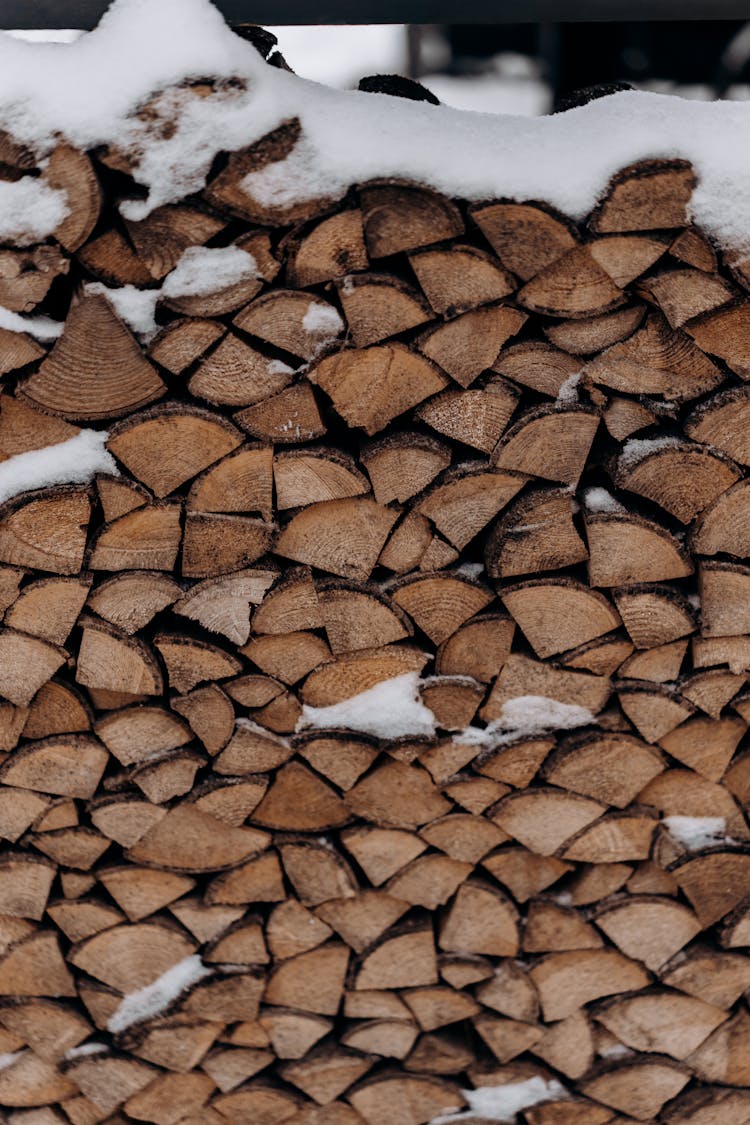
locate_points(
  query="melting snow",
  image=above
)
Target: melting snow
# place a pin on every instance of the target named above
(69, 462)
(526, 716)
(158, 995)
(502, 1103)
(390, 709)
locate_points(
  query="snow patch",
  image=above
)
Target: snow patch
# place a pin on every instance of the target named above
(600, 500)
(470, 569)
(9, 1058)
(568, 392)
(616, 1051)
(137, 307)
(636, 449)
(390, 709)
(526, 716)
(40, 327)
(203, 269)
(84, 1049)
(69, 462)
(502, 1103)
(158, 995)
(322, 320)
(30, 210)
(697, 832)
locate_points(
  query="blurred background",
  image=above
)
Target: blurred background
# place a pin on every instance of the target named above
(520, 68)
(529, 68)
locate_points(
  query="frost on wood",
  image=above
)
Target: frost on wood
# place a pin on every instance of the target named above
(70, 462)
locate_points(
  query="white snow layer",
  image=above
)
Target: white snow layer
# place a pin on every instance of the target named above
(526, 716)
(502, 1103)
(600, 500)
(69, 462)
(390, 709)
(40, 327)
(9, 1057)
(322, 320)
(696, 832)
(636, 449)
(29, 208)
(568, 392)
(88, 90)
(158, 995)
(204, 269)
(137, 307)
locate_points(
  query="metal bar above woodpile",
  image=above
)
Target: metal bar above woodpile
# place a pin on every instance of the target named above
(29, 14)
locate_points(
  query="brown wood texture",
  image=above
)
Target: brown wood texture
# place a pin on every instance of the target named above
(517, 466)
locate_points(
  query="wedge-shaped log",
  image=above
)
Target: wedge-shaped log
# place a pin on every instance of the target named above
(460, 277)
(379, 305)
(558, 615)
(723, 333)
(26, 663)
(330, 249)
(168, 445)
(655, 360)
(237, 374)
(296, 322)
(440, 603)
(639, 1088)
(241, 482)
(132, 599)
(369, 387)
(654, 615)
(303, 476)
(342, 537)
(626, 549)
(96, 370)
(476, 417)
(543, 819)
(567, 981)
(216, 543)
(481, 920)
(536, 533)
(401, 217)
(191, 841)
(610, 767)
(680, 477)
(650, 195)
(287, 418)
(574, 285)
(684, 294)
(111, 660)
(68, 765)
(549, 442)
(222, 605)
(722, 421)
(468, 345)
(526, 237)
(145, 539)
(46, 530)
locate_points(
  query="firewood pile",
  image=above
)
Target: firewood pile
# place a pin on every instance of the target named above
(372, 733)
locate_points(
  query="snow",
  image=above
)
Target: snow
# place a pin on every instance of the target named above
(69, 462)
(568, 392)
(697, 832)
(84, 1049)
(40, 327)
(390, 709)
(616, 1051)
(526, 716)
(158, 995)
(502, 1103)
(8, 1058)
(88, 90)
(137, 307)
(29, 209)
(204, 269)
(322, 320)
(599, 500)
(636, 449)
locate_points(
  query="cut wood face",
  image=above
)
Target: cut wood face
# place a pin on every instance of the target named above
(374, 713)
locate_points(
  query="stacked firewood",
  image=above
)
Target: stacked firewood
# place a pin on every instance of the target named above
(474, 450)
